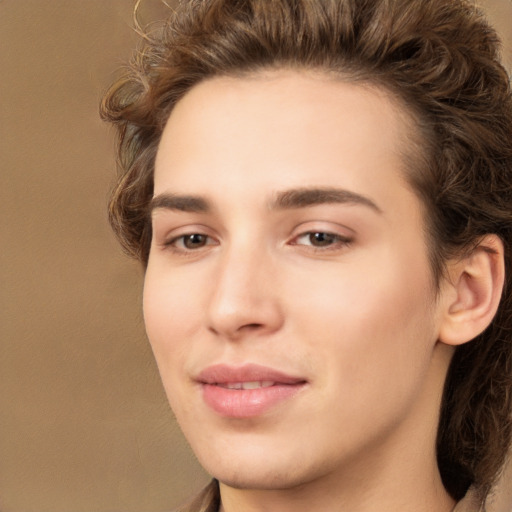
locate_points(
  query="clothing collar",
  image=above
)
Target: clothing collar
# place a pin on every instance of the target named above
(208, 500)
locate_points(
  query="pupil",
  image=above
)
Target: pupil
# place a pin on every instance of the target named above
(194, 241)
(321, 239)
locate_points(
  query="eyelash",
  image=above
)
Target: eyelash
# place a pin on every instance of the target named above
(173, 243)
(333, 242)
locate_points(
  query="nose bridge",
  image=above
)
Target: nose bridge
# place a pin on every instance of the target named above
(243, 297)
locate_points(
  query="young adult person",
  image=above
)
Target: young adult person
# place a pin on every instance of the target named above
(321, 194)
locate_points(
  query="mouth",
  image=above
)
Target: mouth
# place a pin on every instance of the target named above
(246, 385)
(248, 376)
(247, 391)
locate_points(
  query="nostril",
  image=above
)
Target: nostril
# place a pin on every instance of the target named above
(251, 326)
(243, 328)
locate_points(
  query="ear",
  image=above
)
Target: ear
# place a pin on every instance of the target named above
(472, 292)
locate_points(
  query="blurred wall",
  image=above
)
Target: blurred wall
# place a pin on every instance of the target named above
(85, 425)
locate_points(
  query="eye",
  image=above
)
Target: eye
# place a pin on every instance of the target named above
(190, 242)
(321, 239)
(194, 241)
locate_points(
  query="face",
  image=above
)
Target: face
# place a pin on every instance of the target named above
(288, 297)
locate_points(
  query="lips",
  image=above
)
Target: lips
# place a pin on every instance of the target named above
(247, 391)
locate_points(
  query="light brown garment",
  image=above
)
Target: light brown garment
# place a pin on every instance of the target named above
(470, 503)
(208, 500)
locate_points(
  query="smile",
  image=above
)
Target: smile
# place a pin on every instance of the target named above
(247, 391)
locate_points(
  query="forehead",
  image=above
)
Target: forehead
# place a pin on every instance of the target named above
(280, 127)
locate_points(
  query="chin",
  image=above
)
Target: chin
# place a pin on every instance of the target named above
(268, 471)
(268, 479)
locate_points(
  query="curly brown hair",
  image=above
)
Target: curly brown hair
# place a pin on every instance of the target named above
(441, 58)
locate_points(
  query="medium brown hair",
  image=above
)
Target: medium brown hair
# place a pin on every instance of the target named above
(441, 59)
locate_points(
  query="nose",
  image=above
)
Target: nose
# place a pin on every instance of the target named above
(245, 299)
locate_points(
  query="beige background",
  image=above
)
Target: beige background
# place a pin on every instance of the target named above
(85, 425)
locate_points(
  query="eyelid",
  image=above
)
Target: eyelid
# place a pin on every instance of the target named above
(338, 240)
(166, 238)
(343, 236)
(333, 228)
(182, 237)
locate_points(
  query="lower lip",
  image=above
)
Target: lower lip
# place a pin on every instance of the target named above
(247, 403)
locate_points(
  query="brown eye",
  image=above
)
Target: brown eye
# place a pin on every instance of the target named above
(194, 241)
(190, 244)
(322, 239)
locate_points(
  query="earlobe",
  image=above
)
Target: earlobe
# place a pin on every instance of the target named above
(472, 295)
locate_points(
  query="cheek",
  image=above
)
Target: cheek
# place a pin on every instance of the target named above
(370, 324)
(378, 293)
(169, 318)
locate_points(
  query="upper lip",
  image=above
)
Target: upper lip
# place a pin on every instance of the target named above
(224, 374)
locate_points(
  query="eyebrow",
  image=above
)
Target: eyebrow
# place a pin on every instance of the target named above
(285, 200)
(191, 204)
(304, 197)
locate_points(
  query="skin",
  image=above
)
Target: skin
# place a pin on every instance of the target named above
(356, 316)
